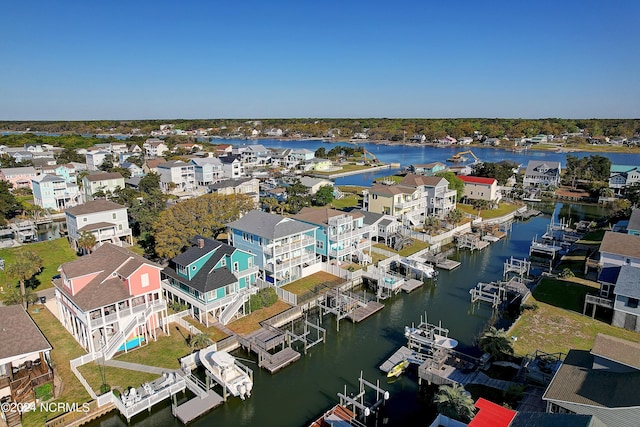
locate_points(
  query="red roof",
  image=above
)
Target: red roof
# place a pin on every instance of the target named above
(491, 415)
(477, 180)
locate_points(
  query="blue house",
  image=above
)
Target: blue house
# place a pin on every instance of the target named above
(428, 169)
(285, 248)
(214, 280)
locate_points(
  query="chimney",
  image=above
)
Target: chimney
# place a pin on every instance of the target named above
(200, 243)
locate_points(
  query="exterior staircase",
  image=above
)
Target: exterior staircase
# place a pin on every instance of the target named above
(121, 336)
(232, 308)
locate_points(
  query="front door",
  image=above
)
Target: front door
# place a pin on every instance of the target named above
(630, 322)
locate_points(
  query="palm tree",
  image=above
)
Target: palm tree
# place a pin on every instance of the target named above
(496, 342)
(454, 402)
(200, 340)
(86, 241)
(26, 265)
(14, 296)
(270, 202)
(455, 216)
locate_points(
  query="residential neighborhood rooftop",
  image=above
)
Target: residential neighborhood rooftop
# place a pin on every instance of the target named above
(19, 334)
(93, 206)
(269, 225)
(617, 349)
(620, 244)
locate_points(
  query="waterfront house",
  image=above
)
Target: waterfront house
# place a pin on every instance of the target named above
(213, 279)
(542, 174)
(314, 184)
(177, 176)
(620, 249)
(24, 355)
(479, 188)
(301, 155)
(602, 382)
(188, 147)
(104, 182)
(539, 139)
(622, 176)
(154, 147)
(285, 248)
(403, 202)
(54, 192)
(207, 170)
(247, 186)
(626, 310)
(428, 169)
(252, 155)
(382, 228)
(633, 227)
(110, 300)
(342, 236)
(440, 200)
(231, 167)
(316, 164)
(106, 220)
(223, 149)
(19, 177)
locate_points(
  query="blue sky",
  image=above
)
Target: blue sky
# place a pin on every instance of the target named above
(68, 60)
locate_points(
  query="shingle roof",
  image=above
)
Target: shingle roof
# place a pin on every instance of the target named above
(103, 176)
(391, 189)
(634, 221)
(321, 215)
(47, 178)
(543, 419)
(18, 171)
(269, 225)
(228, 159)
(194, 252)
(93, 206)
(229, 183)
(371, 217)
(620, 244)
(628, 283)
(96, 226)
(19, 334)
(542, 168)
(617, 349)
(416, 180)
(577, 382)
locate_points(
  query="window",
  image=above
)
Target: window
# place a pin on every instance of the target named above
(632, 303)
(120, 227)
(181, 269)
(235, 267)
(250, 262)
(113, 215)
(627, 261)
(144, 280)
(84, 219)
(319, 244)
(223, 262)
(245, 236)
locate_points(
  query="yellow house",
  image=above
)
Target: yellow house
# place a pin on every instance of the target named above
(408, 204)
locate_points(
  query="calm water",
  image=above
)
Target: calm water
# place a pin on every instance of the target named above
(302, 391)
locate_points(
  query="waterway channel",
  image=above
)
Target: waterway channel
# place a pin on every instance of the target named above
(302, 391)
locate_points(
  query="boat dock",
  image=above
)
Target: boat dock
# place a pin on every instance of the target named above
(362, 312)
(440, 261)
(411, 285)
(497, 292)
(403, 353)
(471, 241)
(266, 339)
(196, 407)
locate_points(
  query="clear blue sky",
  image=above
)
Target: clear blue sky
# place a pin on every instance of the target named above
(81, 60)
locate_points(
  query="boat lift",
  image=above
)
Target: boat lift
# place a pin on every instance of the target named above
(357, 402)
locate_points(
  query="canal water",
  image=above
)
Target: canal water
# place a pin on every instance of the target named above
(301, 392)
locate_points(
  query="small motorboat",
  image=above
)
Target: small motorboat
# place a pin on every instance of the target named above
(398, 369)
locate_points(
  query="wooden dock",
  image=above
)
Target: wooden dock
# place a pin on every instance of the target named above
(279, 360)
(456, 370)
(448, 264)
(411, 285)
(403, 353)
(361, 313)
(197, 407)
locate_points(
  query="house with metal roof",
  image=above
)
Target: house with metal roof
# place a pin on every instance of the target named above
(24, 356)
(285, 248)
(622, 176)
(542, 174)
(342, 236)
(602, 382)
(106, 220)
(110, 300)
(213, 279)
(480, 188)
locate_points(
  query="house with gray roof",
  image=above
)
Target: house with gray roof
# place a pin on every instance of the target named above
(207, 169)
(177, 176)
(247, 186)
(542, 174)
(602, 382)
(626, 310)
(213, 279)
(622, 176)
(110, 300)
(24, 355)
(54, 192)
(633, 227)
(19, 177)
(101, 182)
(381, 226)
(231, 166)
(106, 220)
(285, 248)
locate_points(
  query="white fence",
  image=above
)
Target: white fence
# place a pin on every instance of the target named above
(83, 360)
(286, 296)
(347, 275)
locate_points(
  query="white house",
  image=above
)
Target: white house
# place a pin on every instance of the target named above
(231, 166)
(154, 147)
(542, 173)
(94, 158)
(106, 220)
(177, 176)
(207, 170)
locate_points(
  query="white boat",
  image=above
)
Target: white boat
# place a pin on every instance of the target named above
(429, 337)
(426, 269)
(225, 371)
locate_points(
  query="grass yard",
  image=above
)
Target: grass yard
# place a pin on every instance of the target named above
(118, 379)
(568, 294)
(593, 237)
(163, 353)
(354, 189)
(251, 322)
(348, 201)
(392, 178)
(52, 252)
(65, 348)
(306, 284)
(214, 333)
(552, 329)
(416, 246)
(345, 167)
(502, 210)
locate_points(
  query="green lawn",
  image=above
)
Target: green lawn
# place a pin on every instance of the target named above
(251, 322)
(65, 348)
(163, 353)
(348, 201)
(416, 246)
(502, 210)
(355, 189)
(52, 252)
(214, 333)
(309, 283)
(345, 167)
(567, 294)
(118, 379)
(593, 237)
(393, 178)
(552, 329)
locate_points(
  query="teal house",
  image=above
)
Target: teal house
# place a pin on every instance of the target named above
(214, 280)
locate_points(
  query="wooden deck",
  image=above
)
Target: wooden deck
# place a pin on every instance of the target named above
(455, 371)
(361, 313)
(403, 353)
(279, 360)
(411, 285)
(197, 407)
(448, 264)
